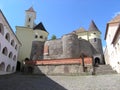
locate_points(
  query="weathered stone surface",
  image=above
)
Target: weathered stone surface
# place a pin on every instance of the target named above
(74, 69)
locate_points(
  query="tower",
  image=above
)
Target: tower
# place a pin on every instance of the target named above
(30, 17)
(95, 40)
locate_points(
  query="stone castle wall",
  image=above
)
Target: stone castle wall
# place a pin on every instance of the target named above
(69, 46)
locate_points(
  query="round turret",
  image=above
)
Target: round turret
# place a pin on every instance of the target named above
(70, 46)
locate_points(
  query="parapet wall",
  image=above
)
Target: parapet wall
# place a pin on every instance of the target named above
(62, 66)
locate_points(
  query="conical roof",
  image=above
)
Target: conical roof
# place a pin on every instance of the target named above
(40, 27)
(116, 19)
(93, 27)
(31, 9)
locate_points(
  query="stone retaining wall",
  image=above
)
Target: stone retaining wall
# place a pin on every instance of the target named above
(61, 66)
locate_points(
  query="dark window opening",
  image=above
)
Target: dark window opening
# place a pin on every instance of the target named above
(5, 51)
(7, 36)
(36, 36)
(95, 39)
(29, 19)
(41, 36)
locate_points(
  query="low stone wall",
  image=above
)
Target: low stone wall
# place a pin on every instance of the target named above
(74, 69)
(61, 66)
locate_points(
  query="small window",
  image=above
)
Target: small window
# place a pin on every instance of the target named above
(5, 51)
(41, 37)
(95, 39)
(36, 36)
(14, 58)
(1, 29)
(7, 36)
(8, 69)
(94, 33)
(16, 47)
(12, 42)
(10, 55)
(29, 19)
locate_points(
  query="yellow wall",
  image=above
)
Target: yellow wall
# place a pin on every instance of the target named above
(94, 34)
(40, 33)
(89, 35)
(25, 35)
(83, 35)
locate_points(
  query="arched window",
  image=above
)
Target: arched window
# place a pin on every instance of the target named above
(14, 58)
(10, 55)
(7, 36)
(1, 29)
(12, 43)
(5, 51)
(2, 66)
(16, 47)
(8, 69)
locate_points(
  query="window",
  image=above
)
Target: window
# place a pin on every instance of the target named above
(5, 51)
(36, 36)
(12, 43)
(7, 36)
(29, 19)
(16, 47)
(10, 55)
(1, 29)
(95, 40)
(8, 69)
(2, 66)
(14, 58)
(41, 37)
(13, 68)
(94, 33)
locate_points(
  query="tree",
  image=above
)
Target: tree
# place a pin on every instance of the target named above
(53, 37)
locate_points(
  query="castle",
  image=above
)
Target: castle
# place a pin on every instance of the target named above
(35, 45)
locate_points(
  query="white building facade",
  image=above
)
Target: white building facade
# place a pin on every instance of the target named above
(112, 37)
(9, 47)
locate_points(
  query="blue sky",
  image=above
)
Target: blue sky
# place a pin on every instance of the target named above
(62, 16)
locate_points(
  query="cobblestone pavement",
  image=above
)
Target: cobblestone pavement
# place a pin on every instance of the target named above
(37, 82)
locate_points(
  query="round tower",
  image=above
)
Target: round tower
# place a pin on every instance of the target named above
(95, 39)
(70, 46)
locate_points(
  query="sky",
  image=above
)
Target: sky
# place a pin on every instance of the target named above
(61, 17)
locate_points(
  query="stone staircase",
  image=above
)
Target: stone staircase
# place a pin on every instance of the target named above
(104, 69)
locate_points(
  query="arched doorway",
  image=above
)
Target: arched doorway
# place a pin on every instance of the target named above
(2, 66)
(8, 69)
(18, 68)
(97, 61)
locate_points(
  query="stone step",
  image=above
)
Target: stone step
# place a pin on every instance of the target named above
(104, 69)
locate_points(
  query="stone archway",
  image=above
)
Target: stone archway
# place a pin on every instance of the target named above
(2, 66)
(97, 61)
(18, 68)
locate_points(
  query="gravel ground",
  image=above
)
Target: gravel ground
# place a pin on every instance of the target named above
(37, 82)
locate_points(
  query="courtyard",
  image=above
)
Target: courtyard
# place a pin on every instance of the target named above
(20, 81)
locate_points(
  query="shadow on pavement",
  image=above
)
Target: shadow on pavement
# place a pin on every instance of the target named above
(19, 81)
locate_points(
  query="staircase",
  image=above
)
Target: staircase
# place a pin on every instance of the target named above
(104, 69)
